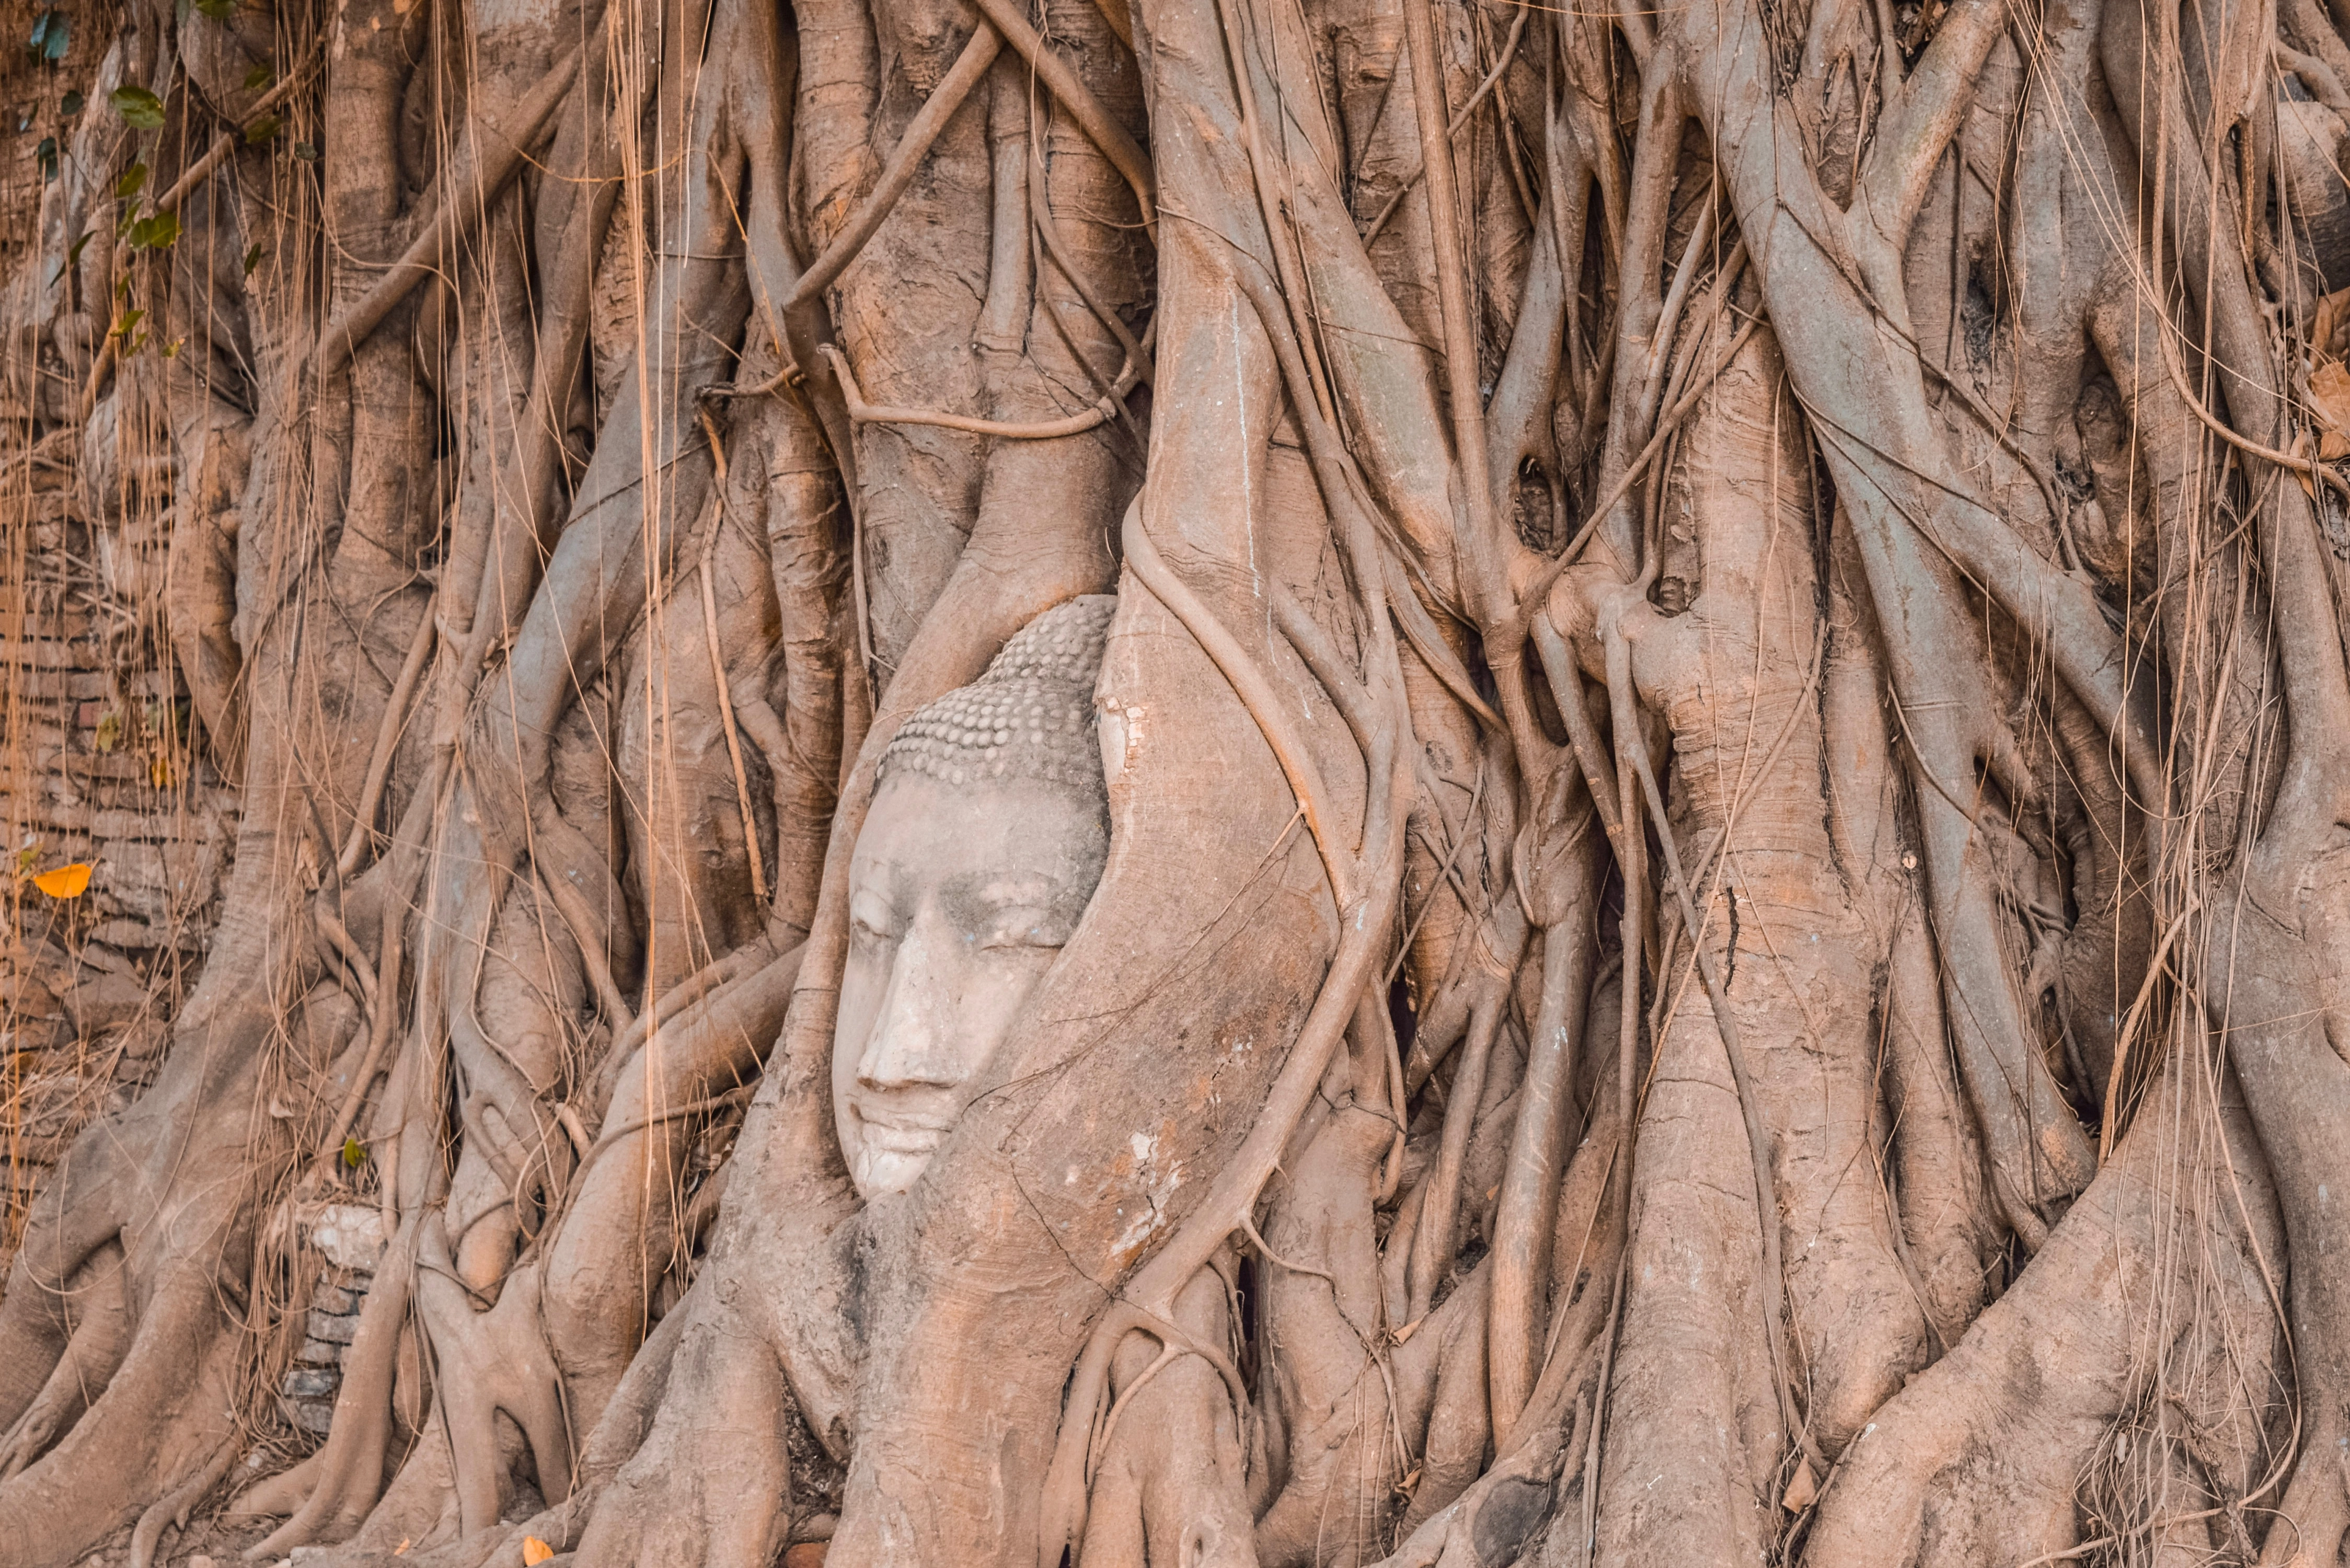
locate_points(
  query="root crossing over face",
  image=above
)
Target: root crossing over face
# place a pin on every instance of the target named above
(985, 841)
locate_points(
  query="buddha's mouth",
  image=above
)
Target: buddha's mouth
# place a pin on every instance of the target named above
(900, 1129)
(883, 1138)
(894, 1147)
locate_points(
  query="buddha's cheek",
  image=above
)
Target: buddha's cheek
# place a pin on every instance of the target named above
(863, 985)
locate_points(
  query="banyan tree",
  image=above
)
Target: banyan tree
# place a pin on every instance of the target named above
(1187, 782)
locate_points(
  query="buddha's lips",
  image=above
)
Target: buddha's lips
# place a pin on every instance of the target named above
(901, 1133)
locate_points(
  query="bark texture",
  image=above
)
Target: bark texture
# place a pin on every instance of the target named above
(1726, 930)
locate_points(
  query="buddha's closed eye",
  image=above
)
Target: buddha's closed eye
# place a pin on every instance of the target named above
(1029, 918)
(874, 919)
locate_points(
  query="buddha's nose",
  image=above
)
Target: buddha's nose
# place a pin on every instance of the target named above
(911, 1046)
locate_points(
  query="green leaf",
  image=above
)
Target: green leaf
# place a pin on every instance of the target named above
(252, 259)
(218, 10)
(130, 318)
(156, 233)
(306, 152)
(51, 35)
(133, 181)
(262, 129)
(260, 76)
(139, 107)
(354, 1153)
(72, 104)
(46, 155)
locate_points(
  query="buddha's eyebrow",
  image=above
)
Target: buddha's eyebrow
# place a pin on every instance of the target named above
(991, 892)
(881, 877)
(998, 885)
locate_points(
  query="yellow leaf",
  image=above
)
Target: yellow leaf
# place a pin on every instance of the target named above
(2329, 391)
(1803, 1490)
(400, 1550)
(65, 882)
(535, 1552)
(2332, 312)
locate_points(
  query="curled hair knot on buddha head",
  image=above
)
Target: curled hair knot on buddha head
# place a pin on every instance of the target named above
(1029, 717)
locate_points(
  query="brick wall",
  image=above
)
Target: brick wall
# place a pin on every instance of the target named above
(96, 767)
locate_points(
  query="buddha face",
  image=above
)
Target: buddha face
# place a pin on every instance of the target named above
(959, 898)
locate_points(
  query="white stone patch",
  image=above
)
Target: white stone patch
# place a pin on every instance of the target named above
(350, 1235)
(1119, 728)
(1157, 1185)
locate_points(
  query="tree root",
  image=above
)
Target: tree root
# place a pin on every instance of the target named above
(95, 1305)
(2149, 1296)
(170, 1511)
(348, 1475)
(488, 1363)
(1168, 1484)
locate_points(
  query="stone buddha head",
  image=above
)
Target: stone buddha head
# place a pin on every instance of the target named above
(987, 833)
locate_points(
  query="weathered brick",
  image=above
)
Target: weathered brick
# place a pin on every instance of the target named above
(42, 653)
(333, 1328)
(333, 1299)
(311, 1383)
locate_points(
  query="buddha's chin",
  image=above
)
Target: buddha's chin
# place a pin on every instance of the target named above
(884, 1170)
